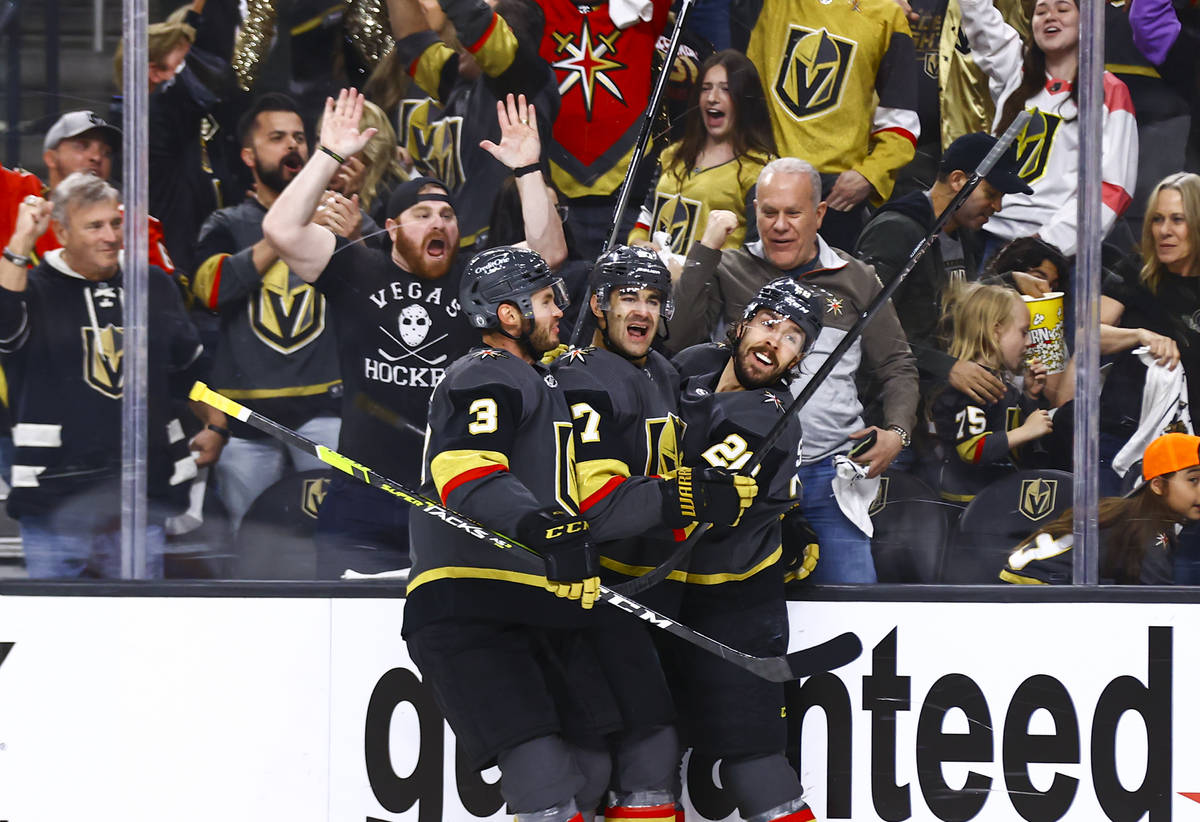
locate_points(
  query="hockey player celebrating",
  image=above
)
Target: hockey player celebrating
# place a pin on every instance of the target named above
(733, 589)
(513, 669)
(624, 400)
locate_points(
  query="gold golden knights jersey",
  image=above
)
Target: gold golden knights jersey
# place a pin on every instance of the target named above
(681, 207)
(841, 84)
(626, 431)
(724, 430)
(499, 446)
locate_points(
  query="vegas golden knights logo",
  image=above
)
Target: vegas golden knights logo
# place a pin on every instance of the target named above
(662, 444)
(103, 356)
(436, 147)
(312, 494)
(1037, 498)
(283, 316)
(1033, 146)
(813, 72)
(677, 216)
(881, 497)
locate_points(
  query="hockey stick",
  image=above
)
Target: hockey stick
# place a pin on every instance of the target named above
(828, 655)
(635, 162)
(659, 573)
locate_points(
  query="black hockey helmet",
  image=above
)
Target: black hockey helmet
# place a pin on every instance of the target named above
(505, 275)
(802, 304)
(626, 266)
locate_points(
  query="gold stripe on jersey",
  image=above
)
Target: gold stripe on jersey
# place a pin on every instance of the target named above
(694, 579)
(497, 48)
(426, 71)
(966, 448)
(206, 280)
(467, 572)
(1017, 579)
(448, 465)
(268, 393)
(592, 475)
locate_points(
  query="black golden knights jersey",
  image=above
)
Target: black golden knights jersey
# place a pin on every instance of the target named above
(277, 354)
(724, 430)
(1049, 562)
(499, 446)
(397, 335)
(62, 341)
(627, 430)
(974, 438)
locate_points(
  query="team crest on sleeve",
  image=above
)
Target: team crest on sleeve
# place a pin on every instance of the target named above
(812, 74)
(770, 398)
(286, 317)
(435, 145)
(103, 359)
(579, 355)
(1034, 144)
(489, 354)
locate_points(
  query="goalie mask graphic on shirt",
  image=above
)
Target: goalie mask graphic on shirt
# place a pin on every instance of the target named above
(414, 325)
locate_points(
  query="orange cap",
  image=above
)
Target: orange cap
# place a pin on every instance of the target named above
(1168, 453)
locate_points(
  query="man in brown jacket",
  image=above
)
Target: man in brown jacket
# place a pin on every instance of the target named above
(715, 287)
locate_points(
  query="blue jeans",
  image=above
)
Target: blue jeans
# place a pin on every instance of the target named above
(845, 550)
(248, 467)
(81, 544)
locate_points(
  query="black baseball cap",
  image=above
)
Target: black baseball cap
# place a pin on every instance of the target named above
(967, 152)
(408, 194)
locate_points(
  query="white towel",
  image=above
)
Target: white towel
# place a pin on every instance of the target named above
(624, 13)
(1164, 402)
(854, 492)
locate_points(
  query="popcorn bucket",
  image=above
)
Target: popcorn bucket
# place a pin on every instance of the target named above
(1046, 341)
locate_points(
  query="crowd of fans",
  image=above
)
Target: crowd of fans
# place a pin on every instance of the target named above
(817, 141)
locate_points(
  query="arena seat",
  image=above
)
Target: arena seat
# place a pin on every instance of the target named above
(911, 523)
(1000, 516)
(275, 538)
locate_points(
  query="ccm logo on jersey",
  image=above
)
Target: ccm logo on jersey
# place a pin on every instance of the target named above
(569, 528)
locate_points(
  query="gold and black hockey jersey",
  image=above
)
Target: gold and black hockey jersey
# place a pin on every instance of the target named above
(724, 430)
(626, 429)
(499, 446)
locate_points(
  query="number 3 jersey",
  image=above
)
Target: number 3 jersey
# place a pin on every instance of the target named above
(626, 429)
(724, 430)
(974, 440)
(498, 447)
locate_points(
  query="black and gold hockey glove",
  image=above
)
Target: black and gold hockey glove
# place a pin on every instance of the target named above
(562, 540)
(706, 495)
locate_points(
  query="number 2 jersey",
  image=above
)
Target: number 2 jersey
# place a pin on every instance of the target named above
(499, 446)
(974, 440)
(724, 430)
(627, 429)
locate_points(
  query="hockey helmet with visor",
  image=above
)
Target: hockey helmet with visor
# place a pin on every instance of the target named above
(802, 304)
(632, 267)
(506, 275)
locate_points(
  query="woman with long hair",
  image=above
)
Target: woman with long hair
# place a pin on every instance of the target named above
(726, 142)
(1137, 531)
(1153, 300)
(1041, 76)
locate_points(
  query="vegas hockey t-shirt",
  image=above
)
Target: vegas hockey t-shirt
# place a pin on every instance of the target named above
(397, 334)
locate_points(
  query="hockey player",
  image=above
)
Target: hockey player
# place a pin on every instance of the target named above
(624, 400)
(513, 669)
(733, 590)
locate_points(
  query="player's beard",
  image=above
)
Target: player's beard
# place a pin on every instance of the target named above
(751, 381)
(272, 178)
(541, 338)
(412, 252)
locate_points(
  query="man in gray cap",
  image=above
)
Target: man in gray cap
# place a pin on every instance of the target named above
(79, 141)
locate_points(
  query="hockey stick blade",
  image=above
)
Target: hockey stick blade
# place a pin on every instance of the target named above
(832, 654)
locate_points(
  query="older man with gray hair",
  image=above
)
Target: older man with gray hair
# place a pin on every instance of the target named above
(62, 344)
(715, 287)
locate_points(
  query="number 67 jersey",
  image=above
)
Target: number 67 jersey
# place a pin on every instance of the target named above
(724, 430)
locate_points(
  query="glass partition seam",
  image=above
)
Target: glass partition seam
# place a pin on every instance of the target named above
(135, 146)
(1090, 78)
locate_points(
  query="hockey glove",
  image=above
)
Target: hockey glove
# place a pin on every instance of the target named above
(706, 495)
(562, 540)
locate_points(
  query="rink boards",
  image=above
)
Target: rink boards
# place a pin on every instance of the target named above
(306, 707)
